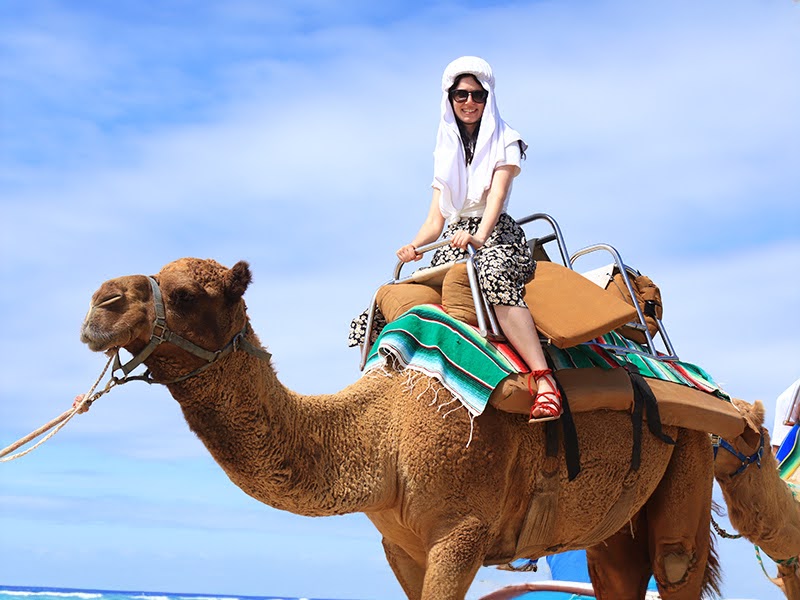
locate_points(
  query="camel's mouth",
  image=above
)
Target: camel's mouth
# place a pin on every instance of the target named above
(99, 340)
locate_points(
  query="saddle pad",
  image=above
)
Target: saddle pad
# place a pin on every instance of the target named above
(789, 454)
(475, 370)
(593, 354)
(428, 340)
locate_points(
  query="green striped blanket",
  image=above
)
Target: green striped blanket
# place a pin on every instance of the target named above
(593, 354)
(428, 340)
(789, 454)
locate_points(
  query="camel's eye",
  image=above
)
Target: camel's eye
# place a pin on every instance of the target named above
(181, 299)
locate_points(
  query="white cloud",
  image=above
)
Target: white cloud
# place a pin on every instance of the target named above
(667, 130)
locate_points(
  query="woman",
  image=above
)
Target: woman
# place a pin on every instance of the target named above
(476, 158)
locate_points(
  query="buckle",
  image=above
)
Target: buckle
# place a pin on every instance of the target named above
(163, 334)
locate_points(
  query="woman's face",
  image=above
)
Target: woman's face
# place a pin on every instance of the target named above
(469, 112)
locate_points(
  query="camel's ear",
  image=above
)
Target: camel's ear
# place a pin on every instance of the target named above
(759, 412)
(236, 281)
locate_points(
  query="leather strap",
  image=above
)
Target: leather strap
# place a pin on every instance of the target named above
(160, 334)
(746, 460)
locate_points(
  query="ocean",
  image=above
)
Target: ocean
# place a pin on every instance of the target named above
(37, 593)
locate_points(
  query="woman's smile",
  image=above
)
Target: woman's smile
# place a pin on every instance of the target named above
(469, 111)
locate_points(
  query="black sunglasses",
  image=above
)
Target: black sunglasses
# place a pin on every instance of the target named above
(478, 96)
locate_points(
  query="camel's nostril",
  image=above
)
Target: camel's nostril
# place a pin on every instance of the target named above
(108, 301)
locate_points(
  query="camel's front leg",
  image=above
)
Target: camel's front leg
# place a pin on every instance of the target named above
(408, 572)
(454, 559)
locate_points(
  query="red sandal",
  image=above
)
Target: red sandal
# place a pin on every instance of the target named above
(549, 401)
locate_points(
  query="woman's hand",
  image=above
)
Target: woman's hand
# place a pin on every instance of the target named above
(461, 239)
(77, 402)
(408, 253)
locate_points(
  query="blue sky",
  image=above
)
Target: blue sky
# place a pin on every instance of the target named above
(298, 136)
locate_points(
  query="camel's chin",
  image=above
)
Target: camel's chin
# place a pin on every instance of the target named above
(99, 341)
(96, 346)
(109, 352)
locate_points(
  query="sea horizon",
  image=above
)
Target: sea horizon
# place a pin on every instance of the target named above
(12, 592)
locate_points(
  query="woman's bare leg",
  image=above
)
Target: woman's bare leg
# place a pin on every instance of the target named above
(518, 327)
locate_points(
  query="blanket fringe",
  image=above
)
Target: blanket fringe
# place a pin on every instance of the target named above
(383, 370)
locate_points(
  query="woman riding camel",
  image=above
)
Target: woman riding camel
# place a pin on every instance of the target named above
(476, 158)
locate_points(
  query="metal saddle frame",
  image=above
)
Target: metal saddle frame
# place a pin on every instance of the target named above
(487, 322)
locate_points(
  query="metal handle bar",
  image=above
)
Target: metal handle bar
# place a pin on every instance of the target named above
(556, 235)
(481, 310)
(427, 248)
(623, 269)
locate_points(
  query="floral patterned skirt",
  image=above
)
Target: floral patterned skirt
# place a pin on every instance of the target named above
(504, 265)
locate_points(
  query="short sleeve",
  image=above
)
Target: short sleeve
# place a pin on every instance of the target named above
(513, 157)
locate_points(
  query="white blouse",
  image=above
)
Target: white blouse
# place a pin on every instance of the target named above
(474, 207)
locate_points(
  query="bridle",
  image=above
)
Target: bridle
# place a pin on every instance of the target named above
(160, 334)
(755, 458)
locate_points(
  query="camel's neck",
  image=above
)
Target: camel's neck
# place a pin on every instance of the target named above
(313, 455)
(760, 504)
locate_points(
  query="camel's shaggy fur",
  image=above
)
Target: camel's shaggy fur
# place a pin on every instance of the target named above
(760, 506)
(444, 507)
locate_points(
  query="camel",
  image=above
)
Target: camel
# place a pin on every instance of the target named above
(759, 505)
(444, 508)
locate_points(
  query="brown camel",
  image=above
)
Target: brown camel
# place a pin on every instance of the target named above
(444, 508)
(760, 506)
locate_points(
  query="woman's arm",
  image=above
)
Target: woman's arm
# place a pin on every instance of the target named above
(429, 232)
(501, 181)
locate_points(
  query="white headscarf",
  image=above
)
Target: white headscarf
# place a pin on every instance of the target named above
(462, 184)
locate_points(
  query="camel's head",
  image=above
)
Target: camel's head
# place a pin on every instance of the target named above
(202, 301)
(753, 437)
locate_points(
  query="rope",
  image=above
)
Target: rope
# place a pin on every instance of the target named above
(59, 422)
(527, 566)
(794, 488)
(722, 532)
(791, 561)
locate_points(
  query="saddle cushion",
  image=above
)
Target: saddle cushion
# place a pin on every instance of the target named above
(567, 308)
(395, 299)
(457, 295)
(645, 290)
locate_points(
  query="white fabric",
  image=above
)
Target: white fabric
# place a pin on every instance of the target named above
(601, 276)
(475, 208)
(468, 64)
(787, 409)
(463, 187)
